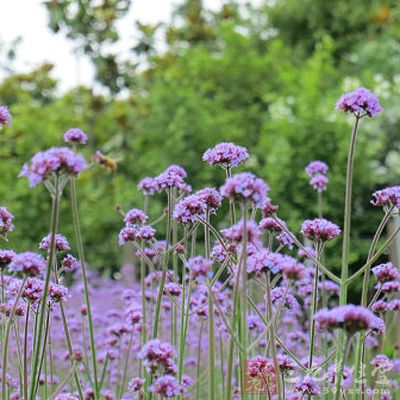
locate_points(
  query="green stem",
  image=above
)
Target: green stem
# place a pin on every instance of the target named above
(78, 237)
(26, 330)
(164, 272)
(6, 341)
(346, 251)
(211, 335)
(35, 373)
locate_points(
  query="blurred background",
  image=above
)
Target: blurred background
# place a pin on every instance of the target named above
(154, 82)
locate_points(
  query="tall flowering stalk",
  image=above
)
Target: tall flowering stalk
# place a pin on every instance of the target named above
(360, 103)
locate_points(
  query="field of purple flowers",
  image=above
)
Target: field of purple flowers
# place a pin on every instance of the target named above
(249, 311)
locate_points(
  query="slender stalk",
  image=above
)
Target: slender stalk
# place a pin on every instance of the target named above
(346, 250)
(314, 308)
(272, 339)
(78, 238)
(6, 341)
(3, 301)
(364, 299)
(25, 366)
(163, 275)
(35, 372)
(211, 334)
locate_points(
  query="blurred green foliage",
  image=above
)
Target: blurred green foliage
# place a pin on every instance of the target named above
(264, 77)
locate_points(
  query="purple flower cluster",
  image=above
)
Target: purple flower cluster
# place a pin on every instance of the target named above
(5, 116)
(386, 272)
(173, 177)
(226, 154)
(245, 187)
(60, 242)
(317, 170)
(56, 160)
(388, 197)
(264, 261)
(148, 186)
(280, 297)
(189, 209)
(28, 264)
(158, 355)
(360, 102)
(235, 232)
(319, 230)
(211, 197)
(167, 386)
(349, 317)
(199, 267)
(75, 135)
(6, 224)
(134, 228)
(135, 217)
(6, 256)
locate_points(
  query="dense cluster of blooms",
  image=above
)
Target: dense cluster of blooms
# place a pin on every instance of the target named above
(75, 135)
(360, 101)
(388, 197)
(226, 155)
(5, 116)
(183, 313)
(28, 264)
(317, 170)
(6, 224)
(245, 187)
(349, 317)
(56, 160)
(319, 229)
(60, 242)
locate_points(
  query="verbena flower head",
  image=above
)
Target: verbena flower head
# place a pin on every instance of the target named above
(173, 176)
(211, 197)
(245, 187)
(189, 208)
(308, 386)
(387, 198)
(135, 217)
(167, 386)
(268, 209)
(6, 256)
(136, 384)
(157, 353)
(57, 293)
(75, 135)
(60, 241)
(33, 290)
(264, 261)
(146, 232)
(70, 263)
(127, 234)
(316, 168)
(226, 155)
(319, 182)
(28, 264)
(347, 373)
(319, 229)
(280, 297)
(349, 317)
(386, 272)
(5, 116)
(199, 266)
(148, 186)
(60, 160)
(235, 232)
(390, 287)
(6, 224)
(360, 101)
